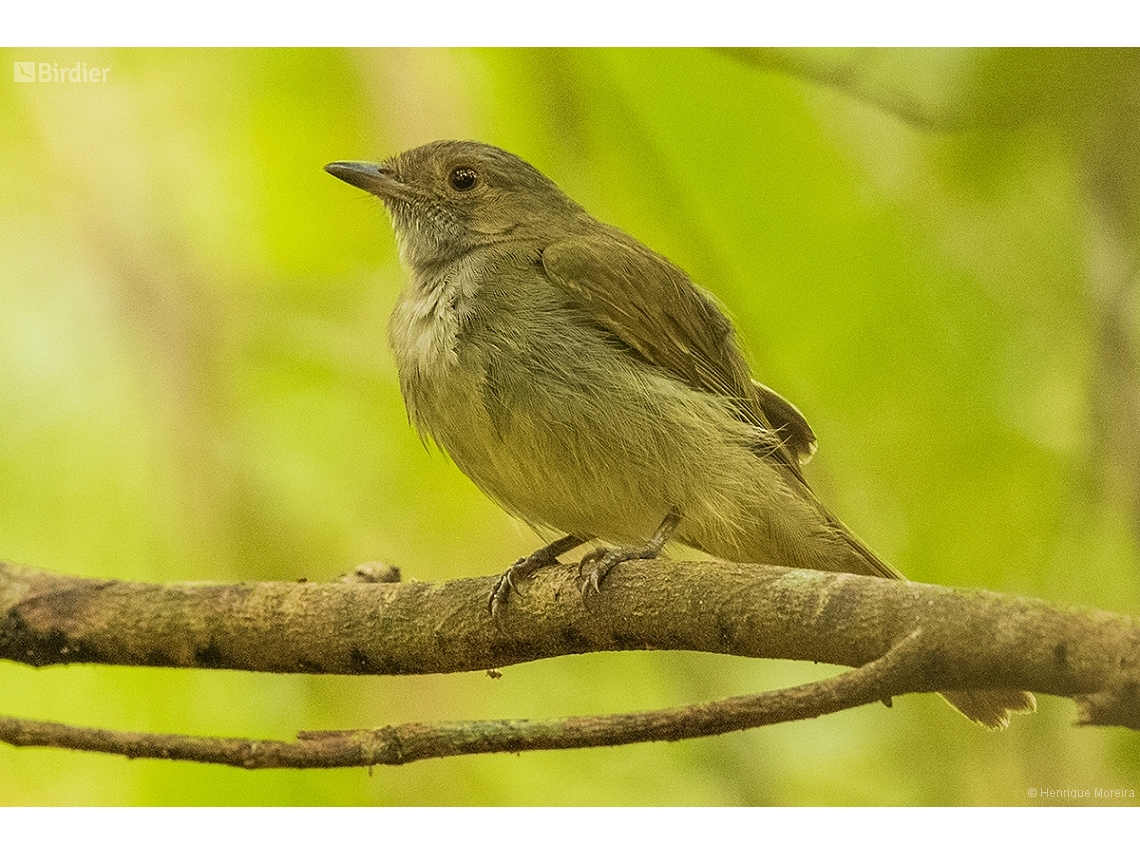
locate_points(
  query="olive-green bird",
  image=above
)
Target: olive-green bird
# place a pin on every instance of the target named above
(588, 386)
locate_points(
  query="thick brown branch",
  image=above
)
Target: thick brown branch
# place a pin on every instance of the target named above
(876, 681)
(971, 639)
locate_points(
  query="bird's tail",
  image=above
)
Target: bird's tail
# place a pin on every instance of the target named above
(991, 708)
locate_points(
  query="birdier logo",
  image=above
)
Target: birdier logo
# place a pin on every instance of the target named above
(52, 72)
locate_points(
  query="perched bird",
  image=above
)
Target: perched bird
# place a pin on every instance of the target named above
(588, 386)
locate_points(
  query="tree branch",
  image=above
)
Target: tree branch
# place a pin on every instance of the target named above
(853, 74)
(900, 637)
(418, 741)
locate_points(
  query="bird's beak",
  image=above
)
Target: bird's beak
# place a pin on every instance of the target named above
(376, 178)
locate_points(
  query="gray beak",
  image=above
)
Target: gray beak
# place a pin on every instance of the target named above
(375, 178)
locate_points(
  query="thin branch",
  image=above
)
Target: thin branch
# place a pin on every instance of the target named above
(852, 75)
(876, 681)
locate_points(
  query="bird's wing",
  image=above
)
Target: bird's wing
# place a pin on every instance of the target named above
(650, 305)
(788, 421)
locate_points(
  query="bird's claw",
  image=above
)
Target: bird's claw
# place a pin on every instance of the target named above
(504, 585)
(524, 567)
(595, 566)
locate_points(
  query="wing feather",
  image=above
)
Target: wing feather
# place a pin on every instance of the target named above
(653, 307)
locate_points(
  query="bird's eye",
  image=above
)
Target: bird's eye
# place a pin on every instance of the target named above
(463, 178)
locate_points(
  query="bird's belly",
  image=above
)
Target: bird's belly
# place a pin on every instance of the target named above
(569, 432)
(552, 463)
(602, 451)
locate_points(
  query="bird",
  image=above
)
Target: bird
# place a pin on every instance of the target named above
(587, 385)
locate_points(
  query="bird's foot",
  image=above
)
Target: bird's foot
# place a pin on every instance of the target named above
(524, 567)
(594, 567)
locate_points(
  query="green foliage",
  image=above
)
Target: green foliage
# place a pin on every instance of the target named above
(196, 382)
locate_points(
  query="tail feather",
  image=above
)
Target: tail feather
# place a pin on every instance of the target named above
(991, 708)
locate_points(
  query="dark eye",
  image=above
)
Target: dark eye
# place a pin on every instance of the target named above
(463, 178)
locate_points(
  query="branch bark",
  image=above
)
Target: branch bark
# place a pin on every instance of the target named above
(900, 637)
(407, 742)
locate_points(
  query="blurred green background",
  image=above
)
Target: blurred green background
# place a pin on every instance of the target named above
(932, 252)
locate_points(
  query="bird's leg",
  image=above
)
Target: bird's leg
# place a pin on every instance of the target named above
(602, 560)
(522, 568)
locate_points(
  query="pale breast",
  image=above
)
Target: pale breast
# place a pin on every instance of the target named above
(424, 323)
